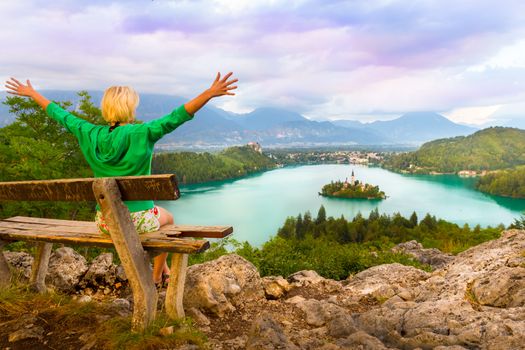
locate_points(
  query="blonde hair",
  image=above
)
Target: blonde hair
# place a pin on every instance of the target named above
(119, 104)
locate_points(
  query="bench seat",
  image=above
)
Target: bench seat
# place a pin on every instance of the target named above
(170, 238)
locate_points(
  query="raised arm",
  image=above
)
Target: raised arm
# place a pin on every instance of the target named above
(15, 87)
(77, 126)
(159, 127)
(218, 88)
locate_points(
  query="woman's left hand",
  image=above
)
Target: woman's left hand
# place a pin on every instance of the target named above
(15, 87)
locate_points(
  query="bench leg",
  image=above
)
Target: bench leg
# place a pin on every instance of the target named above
(5, 273)
(39, 269)
(175, 292)
(129, 248)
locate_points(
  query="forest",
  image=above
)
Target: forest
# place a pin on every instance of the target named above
(191, 167)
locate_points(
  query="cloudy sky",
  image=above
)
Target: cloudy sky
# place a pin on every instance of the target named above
(362, 60)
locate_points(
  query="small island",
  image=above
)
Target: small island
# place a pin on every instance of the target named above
(352, 189)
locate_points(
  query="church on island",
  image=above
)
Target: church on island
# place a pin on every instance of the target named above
(353, 182)
(352, 189)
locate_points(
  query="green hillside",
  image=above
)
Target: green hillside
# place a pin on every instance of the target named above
(193, 167)
(488, 149)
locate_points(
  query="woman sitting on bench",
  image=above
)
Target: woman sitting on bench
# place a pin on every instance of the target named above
(126, 149)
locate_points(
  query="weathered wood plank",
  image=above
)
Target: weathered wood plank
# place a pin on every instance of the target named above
(129, 248)
(44, 221)
(132, 188)
(188, 247)
(149, 242)
(90, 227)
(39, 268)
(49, 228)
(175, 291)
(198, 231)
(12, 234)
(5, 272)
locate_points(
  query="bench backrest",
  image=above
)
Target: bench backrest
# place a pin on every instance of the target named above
(132, 188)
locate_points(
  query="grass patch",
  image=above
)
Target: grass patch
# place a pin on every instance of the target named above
(115, 334)
(71, 324)
(20, 246)
(381, 299)
(17, 299)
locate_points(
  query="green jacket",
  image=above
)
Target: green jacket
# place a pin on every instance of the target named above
(125, 151)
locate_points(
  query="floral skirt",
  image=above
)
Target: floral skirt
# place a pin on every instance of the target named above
(144, 221)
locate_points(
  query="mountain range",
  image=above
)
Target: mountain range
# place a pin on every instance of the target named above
(413, 127)
(275, 126)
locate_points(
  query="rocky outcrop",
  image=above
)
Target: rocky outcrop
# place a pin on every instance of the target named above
(362, 341)
(304, 278)
(338, 321)
(384, 281)
(66, 268)
(21, 262)
(275, 287)
(432, 256)
(102, 276)
(267, 334)
(476, 301)
(505, 289)
(221, 285)
(69, 271)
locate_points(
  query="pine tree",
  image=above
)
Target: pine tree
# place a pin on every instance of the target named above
(321, 215)
(345, 236)
(374, 215)
(413, 219)
(429, 222)
(299, 227)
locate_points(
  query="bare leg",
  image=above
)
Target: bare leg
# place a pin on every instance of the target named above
(159, 262)
(158, 267)
(166, 269)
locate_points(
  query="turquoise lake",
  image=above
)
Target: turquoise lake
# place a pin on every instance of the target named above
(256, 206)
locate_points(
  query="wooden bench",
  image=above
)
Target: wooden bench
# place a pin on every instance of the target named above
(134, 250)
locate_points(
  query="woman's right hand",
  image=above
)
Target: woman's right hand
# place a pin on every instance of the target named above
(15, 87)
(222, 86)
(219, 87)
